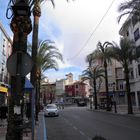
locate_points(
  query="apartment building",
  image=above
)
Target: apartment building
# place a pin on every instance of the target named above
(60, 88)
(131, 30)
(116, 84)
(5, 51)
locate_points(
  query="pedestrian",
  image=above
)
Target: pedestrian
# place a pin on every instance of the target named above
(62, 103)
(28, 110)
(3, 114)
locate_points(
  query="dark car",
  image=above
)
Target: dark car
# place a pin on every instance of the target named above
(82, 103)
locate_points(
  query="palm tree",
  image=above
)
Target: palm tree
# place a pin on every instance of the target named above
(103, 53)
(124, 53)
(94, 74)
(47, 56)
(36, 14)
(130, 7)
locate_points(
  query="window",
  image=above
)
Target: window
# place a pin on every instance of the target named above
(138, 51)
(109, 71)
(127, 33)
(121, 86)
(134, 20)
(131, 74)
(76, 86)
(136, 34)
(139, 69)
(136, 72)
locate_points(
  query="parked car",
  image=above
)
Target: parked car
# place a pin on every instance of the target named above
(51, 110)
(81, 101)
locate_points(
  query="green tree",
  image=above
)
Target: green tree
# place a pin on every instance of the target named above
(103, 53)
(129, 7)
(93, 74)
(125, 53)
(36, 15)
(47, 56)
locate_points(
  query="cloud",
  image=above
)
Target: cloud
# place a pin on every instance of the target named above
(74, 28)
(73, 25)
(61, 74)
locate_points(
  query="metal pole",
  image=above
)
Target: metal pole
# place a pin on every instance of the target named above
(33, 112)
(21, 27)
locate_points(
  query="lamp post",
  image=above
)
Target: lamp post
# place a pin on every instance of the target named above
(21, 27)
(114, 99)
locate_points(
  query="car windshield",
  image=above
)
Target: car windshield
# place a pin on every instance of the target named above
(51, 107)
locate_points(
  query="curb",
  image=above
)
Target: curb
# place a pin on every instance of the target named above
(41, 129)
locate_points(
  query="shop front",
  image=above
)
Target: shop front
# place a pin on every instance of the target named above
(3, 95)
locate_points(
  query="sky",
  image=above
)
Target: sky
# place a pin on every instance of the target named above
(76, 27)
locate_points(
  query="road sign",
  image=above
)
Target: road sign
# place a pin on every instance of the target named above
(26, 64)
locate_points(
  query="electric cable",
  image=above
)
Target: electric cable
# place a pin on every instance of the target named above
(94, 30)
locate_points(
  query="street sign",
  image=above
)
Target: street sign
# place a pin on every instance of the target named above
(26, 64)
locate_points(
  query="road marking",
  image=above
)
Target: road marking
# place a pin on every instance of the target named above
(82, 133)
(75, 128)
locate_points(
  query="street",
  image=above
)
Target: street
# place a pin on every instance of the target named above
(80, 123)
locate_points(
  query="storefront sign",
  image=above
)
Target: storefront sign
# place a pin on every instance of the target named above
(3, 89)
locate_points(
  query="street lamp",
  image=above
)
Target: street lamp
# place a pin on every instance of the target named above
(114, 99)
(21, 27)
(21, 8)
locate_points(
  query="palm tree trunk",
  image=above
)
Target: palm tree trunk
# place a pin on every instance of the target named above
(106, 86)
(95, 94)
(130, 109)
(37, 14)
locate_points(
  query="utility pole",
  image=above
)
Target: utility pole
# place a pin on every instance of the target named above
(21, 26)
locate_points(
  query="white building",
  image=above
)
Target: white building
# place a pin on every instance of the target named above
(5, 51)
(131, 30)
(60, 88)
(69, 79)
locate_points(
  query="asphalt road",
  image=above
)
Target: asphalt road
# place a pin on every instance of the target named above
(79, 123)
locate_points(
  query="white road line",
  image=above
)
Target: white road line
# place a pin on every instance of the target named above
(82, 133)
(75, 127)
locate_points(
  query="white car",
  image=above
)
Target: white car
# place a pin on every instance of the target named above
(51, 110)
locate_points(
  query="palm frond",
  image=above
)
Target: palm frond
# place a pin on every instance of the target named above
(129, 7)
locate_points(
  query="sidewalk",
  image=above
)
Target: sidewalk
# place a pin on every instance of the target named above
(39, 132)
(122, 109)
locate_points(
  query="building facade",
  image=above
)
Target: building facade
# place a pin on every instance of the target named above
(116, 86)
(5, 52)
(48, 93)
(131, 30)
(77, 89)
(60, 88)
